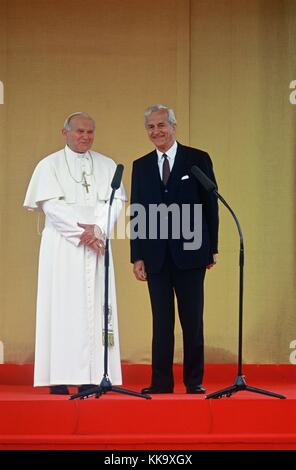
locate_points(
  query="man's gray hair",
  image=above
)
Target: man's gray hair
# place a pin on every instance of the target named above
(158, 107)
(67, 125)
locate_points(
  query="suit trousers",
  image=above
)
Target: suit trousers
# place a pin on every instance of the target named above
(188, 286)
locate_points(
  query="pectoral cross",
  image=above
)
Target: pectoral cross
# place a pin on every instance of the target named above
(85, 183)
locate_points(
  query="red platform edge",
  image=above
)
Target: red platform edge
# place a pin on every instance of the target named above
(33, 419)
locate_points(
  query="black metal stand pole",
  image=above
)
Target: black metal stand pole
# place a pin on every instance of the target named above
(240, 382)
(106, 385)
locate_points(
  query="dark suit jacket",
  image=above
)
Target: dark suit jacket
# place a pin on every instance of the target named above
(147, 189)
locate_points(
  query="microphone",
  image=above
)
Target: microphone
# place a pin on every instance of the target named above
(203, 179)
(117, 177)
(211, 187)
(115, 183)
(240, 383)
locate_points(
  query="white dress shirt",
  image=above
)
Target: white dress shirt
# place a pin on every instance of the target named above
(171, 154)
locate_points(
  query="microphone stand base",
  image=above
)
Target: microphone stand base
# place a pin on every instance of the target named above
(105, 387)
(239, 385)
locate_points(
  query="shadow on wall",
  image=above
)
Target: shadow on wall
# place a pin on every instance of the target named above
(219, 356)
(22, 355)
(212, 356)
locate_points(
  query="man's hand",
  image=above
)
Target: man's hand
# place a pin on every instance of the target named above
(139, 270)
(88, 236)
(93, 238)
(215, 258)
(97, 247)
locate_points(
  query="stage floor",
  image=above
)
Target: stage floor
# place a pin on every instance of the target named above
(31, 418)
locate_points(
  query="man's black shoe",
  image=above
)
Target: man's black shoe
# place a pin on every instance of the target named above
(59, 390)
(153, 389)
(195, 389)
(85, 387)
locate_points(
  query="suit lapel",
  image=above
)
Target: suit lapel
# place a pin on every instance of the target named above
(154, 177)
(178, 170)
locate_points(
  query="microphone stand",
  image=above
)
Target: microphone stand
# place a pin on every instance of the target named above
(106, 385)
(240, 382)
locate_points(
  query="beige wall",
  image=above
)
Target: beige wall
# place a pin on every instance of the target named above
(3, 172)
(243, 59)
(225, 67)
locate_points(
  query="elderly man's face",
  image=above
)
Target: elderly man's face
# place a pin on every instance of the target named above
(160, 131)
(81, 135)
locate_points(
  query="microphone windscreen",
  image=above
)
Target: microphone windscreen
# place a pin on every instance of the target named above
(117, 177)
(204, 180)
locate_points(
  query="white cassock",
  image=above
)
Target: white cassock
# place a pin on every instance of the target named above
(70, 299)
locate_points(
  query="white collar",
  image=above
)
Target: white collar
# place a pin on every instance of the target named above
(171, 152)
(73, 154)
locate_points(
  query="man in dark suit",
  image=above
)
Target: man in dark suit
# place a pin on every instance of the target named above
(173, 259)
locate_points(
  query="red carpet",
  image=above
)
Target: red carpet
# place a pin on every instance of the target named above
(33, 419)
